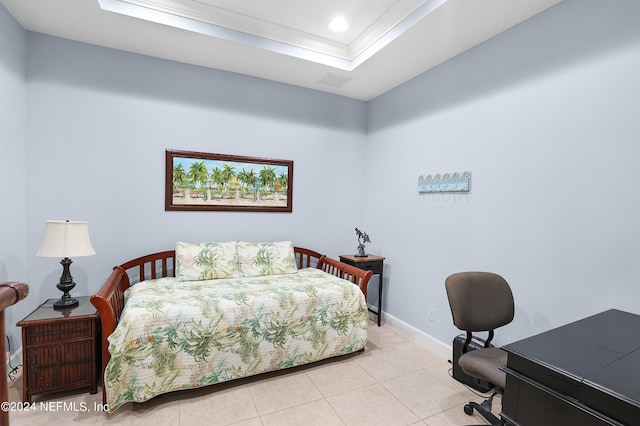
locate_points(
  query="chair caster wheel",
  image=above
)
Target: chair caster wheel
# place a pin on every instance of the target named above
(468, 409)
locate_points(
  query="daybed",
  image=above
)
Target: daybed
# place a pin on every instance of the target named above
(211, 312)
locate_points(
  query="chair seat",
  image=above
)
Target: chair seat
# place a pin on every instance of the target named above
(485, 364)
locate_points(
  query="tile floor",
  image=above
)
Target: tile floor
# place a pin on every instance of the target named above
(393, 382)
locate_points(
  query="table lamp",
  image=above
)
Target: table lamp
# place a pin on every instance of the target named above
(66, 239)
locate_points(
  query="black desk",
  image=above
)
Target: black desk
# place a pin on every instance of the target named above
(584, 373)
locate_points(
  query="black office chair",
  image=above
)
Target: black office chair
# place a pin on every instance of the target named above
(480, 302)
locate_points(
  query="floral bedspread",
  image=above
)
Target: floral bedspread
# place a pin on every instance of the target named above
(177, 335)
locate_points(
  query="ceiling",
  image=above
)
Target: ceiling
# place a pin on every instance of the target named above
(387, 43)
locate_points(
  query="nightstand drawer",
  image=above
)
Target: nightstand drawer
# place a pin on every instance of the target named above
(374, 266)
(57, 331)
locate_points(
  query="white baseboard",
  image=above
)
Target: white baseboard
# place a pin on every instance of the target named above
(418, 336)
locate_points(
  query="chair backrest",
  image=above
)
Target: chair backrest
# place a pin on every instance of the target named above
(479, 301)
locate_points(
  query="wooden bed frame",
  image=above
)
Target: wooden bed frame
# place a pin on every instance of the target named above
(109, 300)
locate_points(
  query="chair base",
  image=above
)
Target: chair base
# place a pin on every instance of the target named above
(484, 409)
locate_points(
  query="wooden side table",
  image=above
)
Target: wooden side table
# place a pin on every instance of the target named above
(375, 264)
(60, 348)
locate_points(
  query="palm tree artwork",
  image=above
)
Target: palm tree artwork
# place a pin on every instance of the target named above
(228, 172)
(248, 181)
(212, 180)
(267, 178)
(282, 183)
(198, 176)
(218, 180)
(180, 179)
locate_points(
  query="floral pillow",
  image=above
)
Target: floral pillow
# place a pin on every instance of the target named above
(260, 259)
(206, 261)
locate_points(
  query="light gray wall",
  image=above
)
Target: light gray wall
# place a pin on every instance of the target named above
(100, 120)
(545, 116)
(13, 258)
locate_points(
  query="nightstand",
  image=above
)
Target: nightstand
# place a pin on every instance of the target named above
(371, 263)
(60, 348)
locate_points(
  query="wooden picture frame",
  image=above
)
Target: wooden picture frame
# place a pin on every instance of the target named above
(199, 181)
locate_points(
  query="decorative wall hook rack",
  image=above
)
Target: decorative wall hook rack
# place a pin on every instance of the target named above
(447, 182)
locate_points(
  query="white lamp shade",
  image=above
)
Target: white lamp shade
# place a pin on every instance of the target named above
(66, 239)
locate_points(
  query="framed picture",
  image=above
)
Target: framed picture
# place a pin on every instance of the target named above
(203, 181)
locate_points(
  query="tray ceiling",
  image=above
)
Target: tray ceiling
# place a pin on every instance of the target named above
(387, 42)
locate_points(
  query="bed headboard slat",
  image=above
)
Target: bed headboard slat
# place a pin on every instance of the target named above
(357, 276)
(306, 258)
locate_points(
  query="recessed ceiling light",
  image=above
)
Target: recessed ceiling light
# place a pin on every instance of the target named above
(339, 24)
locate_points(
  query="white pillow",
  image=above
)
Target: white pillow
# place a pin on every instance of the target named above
(261, 259)
(206, 261)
